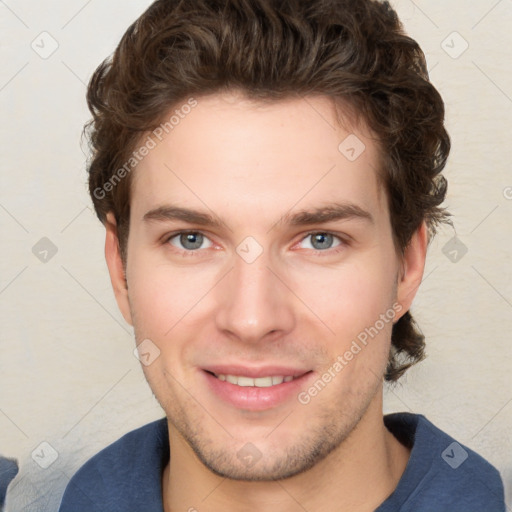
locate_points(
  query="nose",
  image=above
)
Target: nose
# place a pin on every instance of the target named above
(254, 303)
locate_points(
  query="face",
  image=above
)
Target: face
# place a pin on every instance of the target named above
(262, 270)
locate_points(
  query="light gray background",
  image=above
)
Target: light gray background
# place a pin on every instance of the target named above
(68, 376)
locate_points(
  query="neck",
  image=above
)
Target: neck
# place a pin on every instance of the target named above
(357, 476)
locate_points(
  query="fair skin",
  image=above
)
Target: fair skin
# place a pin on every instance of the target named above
(289, 312)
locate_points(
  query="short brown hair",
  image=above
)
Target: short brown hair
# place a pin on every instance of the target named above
(353, 51)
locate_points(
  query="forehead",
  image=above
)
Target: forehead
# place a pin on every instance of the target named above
(232, 153)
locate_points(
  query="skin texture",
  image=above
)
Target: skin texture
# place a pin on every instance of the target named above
(251, 164)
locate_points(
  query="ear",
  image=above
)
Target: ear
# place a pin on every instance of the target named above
(115, 267)
(412, 267)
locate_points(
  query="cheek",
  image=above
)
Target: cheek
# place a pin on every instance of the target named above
(161, 294)
(161, 308)
(153, 304)
(348, 298)
(358, 307)
(168, 307)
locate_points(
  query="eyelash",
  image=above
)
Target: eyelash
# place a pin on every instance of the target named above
(316, 252)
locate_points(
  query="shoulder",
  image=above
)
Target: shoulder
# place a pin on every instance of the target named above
(442, 474)
(123, 474)
(8, 470)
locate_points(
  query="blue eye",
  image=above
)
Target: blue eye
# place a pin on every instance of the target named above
(189, 240)
(322, 241)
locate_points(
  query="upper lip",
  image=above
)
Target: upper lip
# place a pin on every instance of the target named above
(255, 372)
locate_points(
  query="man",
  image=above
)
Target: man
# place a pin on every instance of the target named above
(268, 174)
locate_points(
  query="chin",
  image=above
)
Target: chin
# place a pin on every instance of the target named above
(263, 461)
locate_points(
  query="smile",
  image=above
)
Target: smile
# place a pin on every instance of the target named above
(256, 389)
(259, 382)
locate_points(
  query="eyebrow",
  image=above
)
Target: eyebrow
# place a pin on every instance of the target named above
(327, 213)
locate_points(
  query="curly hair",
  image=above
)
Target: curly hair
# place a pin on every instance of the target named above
(352, 51)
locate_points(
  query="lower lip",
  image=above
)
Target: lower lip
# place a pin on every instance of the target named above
(254, 398)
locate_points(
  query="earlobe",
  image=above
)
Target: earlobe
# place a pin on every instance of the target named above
(116, 268)
(413, 265)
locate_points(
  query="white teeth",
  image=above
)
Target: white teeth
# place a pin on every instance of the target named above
(232, 379)
(264, 382)
(244, 381)
(259, 382)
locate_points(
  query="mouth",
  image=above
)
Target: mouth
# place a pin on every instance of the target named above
(258, 382)
(256, 389)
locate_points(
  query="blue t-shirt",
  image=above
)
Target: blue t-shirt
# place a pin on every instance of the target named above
(8, 470)
(441, 475)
